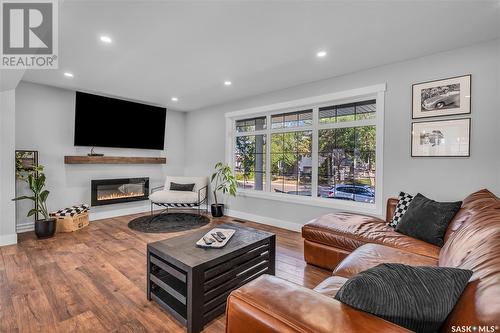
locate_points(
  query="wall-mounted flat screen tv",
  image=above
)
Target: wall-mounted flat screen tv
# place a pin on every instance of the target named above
(109, 122)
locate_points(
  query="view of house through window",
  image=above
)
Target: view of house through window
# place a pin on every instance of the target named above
(343, 169)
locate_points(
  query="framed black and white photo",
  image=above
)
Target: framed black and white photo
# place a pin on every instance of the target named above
(445, 138)
(442, 97)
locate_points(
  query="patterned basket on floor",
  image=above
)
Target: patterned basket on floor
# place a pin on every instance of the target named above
(72, 218)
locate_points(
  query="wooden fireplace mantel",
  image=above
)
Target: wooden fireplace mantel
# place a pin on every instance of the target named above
(84, 159)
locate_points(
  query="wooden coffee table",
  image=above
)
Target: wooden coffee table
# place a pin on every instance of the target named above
(193, 283)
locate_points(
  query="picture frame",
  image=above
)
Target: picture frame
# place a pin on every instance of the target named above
(438, 98)
(441, 138)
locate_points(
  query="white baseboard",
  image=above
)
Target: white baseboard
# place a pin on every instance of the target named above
(265, 220)
(96, 215)
(93, 215)
(8, 239)
(25, 227)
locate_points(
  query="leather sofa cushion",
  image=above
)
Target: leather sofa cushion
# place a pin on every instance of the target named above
(371, 255)
(270, 305)
(480, 200)
(391, 207)
(476, 246)
(474, 202)
(330, 286)
(324, 256)
(347, 232)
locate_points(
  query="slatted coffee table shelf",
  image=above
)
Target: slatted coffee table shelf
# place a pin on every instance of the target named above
(193, 283)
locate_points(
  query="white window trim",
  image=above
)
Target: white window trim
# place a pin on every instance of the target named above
(376, 92)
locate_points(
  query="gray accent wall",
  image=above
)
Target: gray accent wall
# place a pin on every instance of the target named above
(438, 178)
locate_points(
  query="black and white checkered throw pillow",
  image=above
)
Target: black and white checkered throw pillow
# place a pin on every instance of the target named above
(404, 200)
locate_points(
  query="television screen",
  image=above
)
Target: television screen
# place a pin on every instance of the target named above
(108, 122)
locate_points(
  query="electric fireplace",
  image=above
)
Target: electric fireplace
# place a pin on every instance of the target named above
(111, 191)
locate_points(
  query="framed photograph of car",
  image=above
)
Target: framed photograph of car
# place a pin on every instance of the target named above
(441, 138)
(442, 97)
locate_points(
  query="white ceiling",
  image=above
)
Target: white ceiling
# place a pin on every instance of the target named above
(188, 49)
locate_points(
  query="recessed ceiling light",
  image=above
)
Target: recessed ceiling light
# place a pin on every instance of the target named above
(227, 83)
(321, 54)
(68, 74)
(174, 99)
(106, 39)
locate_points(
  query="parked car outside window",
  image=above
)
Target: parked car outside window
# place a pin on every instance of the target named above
(359, 193)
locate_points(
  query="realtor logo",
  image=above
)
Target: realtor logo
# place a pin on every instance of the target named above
(29, 34)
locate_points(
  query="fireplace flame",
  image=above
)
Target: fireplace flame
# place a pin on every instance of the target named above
(119, 195)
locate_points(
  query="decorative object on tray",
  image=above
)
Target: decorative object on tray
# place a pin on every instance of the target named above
(72, 219)
(222, 180)
(446, 138)
(216, 238)
(442, 97)
(171, 222)
(46, 227)
(94, 154)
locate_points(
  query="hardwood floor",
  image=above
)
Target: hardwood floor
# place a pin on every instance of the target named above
(94, 280)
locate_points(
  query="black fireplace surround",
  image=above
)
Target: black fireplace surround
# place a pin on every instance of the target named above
(111, 191)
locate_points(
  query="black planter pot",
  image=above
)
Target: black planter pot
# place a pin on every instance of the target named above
(217, 210)
(45, 228)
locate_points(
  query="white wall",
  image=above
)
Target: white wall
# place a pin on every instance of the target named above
(7, 174)
(45, 122)
(437, 178)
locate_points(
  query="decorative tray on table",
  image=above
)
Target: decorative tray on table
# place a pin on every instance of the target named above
(216, 242)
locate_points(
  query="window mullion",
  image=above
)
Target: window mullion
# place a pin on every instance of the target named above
(291, 129)
(250, 133)
(349, 124)
(314, 156)
(268, 154)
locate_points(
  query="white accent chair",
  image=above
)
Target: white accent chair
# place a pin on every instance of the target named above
(164, 197)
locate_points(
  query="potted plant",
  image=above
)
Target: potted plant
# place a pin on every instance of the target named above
(46, 227)
(222, 180)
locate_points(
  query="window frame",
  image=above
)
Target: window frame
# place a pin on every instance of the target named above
(376, 92)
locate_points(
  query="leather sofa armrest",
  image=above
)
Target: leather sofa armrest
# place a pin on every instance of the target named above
(391, 207)
(270, 304)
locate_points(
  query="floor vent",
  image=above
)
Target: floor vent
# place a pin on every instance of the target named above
(239, 221)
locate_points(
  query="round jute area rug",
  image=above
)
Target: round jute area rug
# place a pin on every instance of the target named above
(171, 222)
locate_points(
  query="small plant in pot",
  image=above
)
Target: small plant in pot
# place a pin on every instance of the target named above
(46, 227)
(222, 181)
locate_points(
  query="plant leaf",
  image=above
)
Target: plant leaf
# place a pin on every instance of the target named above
(24, 197)
(44, 195)
(32, 212)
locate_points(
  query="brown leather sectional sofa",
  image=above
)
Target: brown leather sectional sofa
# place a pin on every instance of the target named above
(349, 244)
